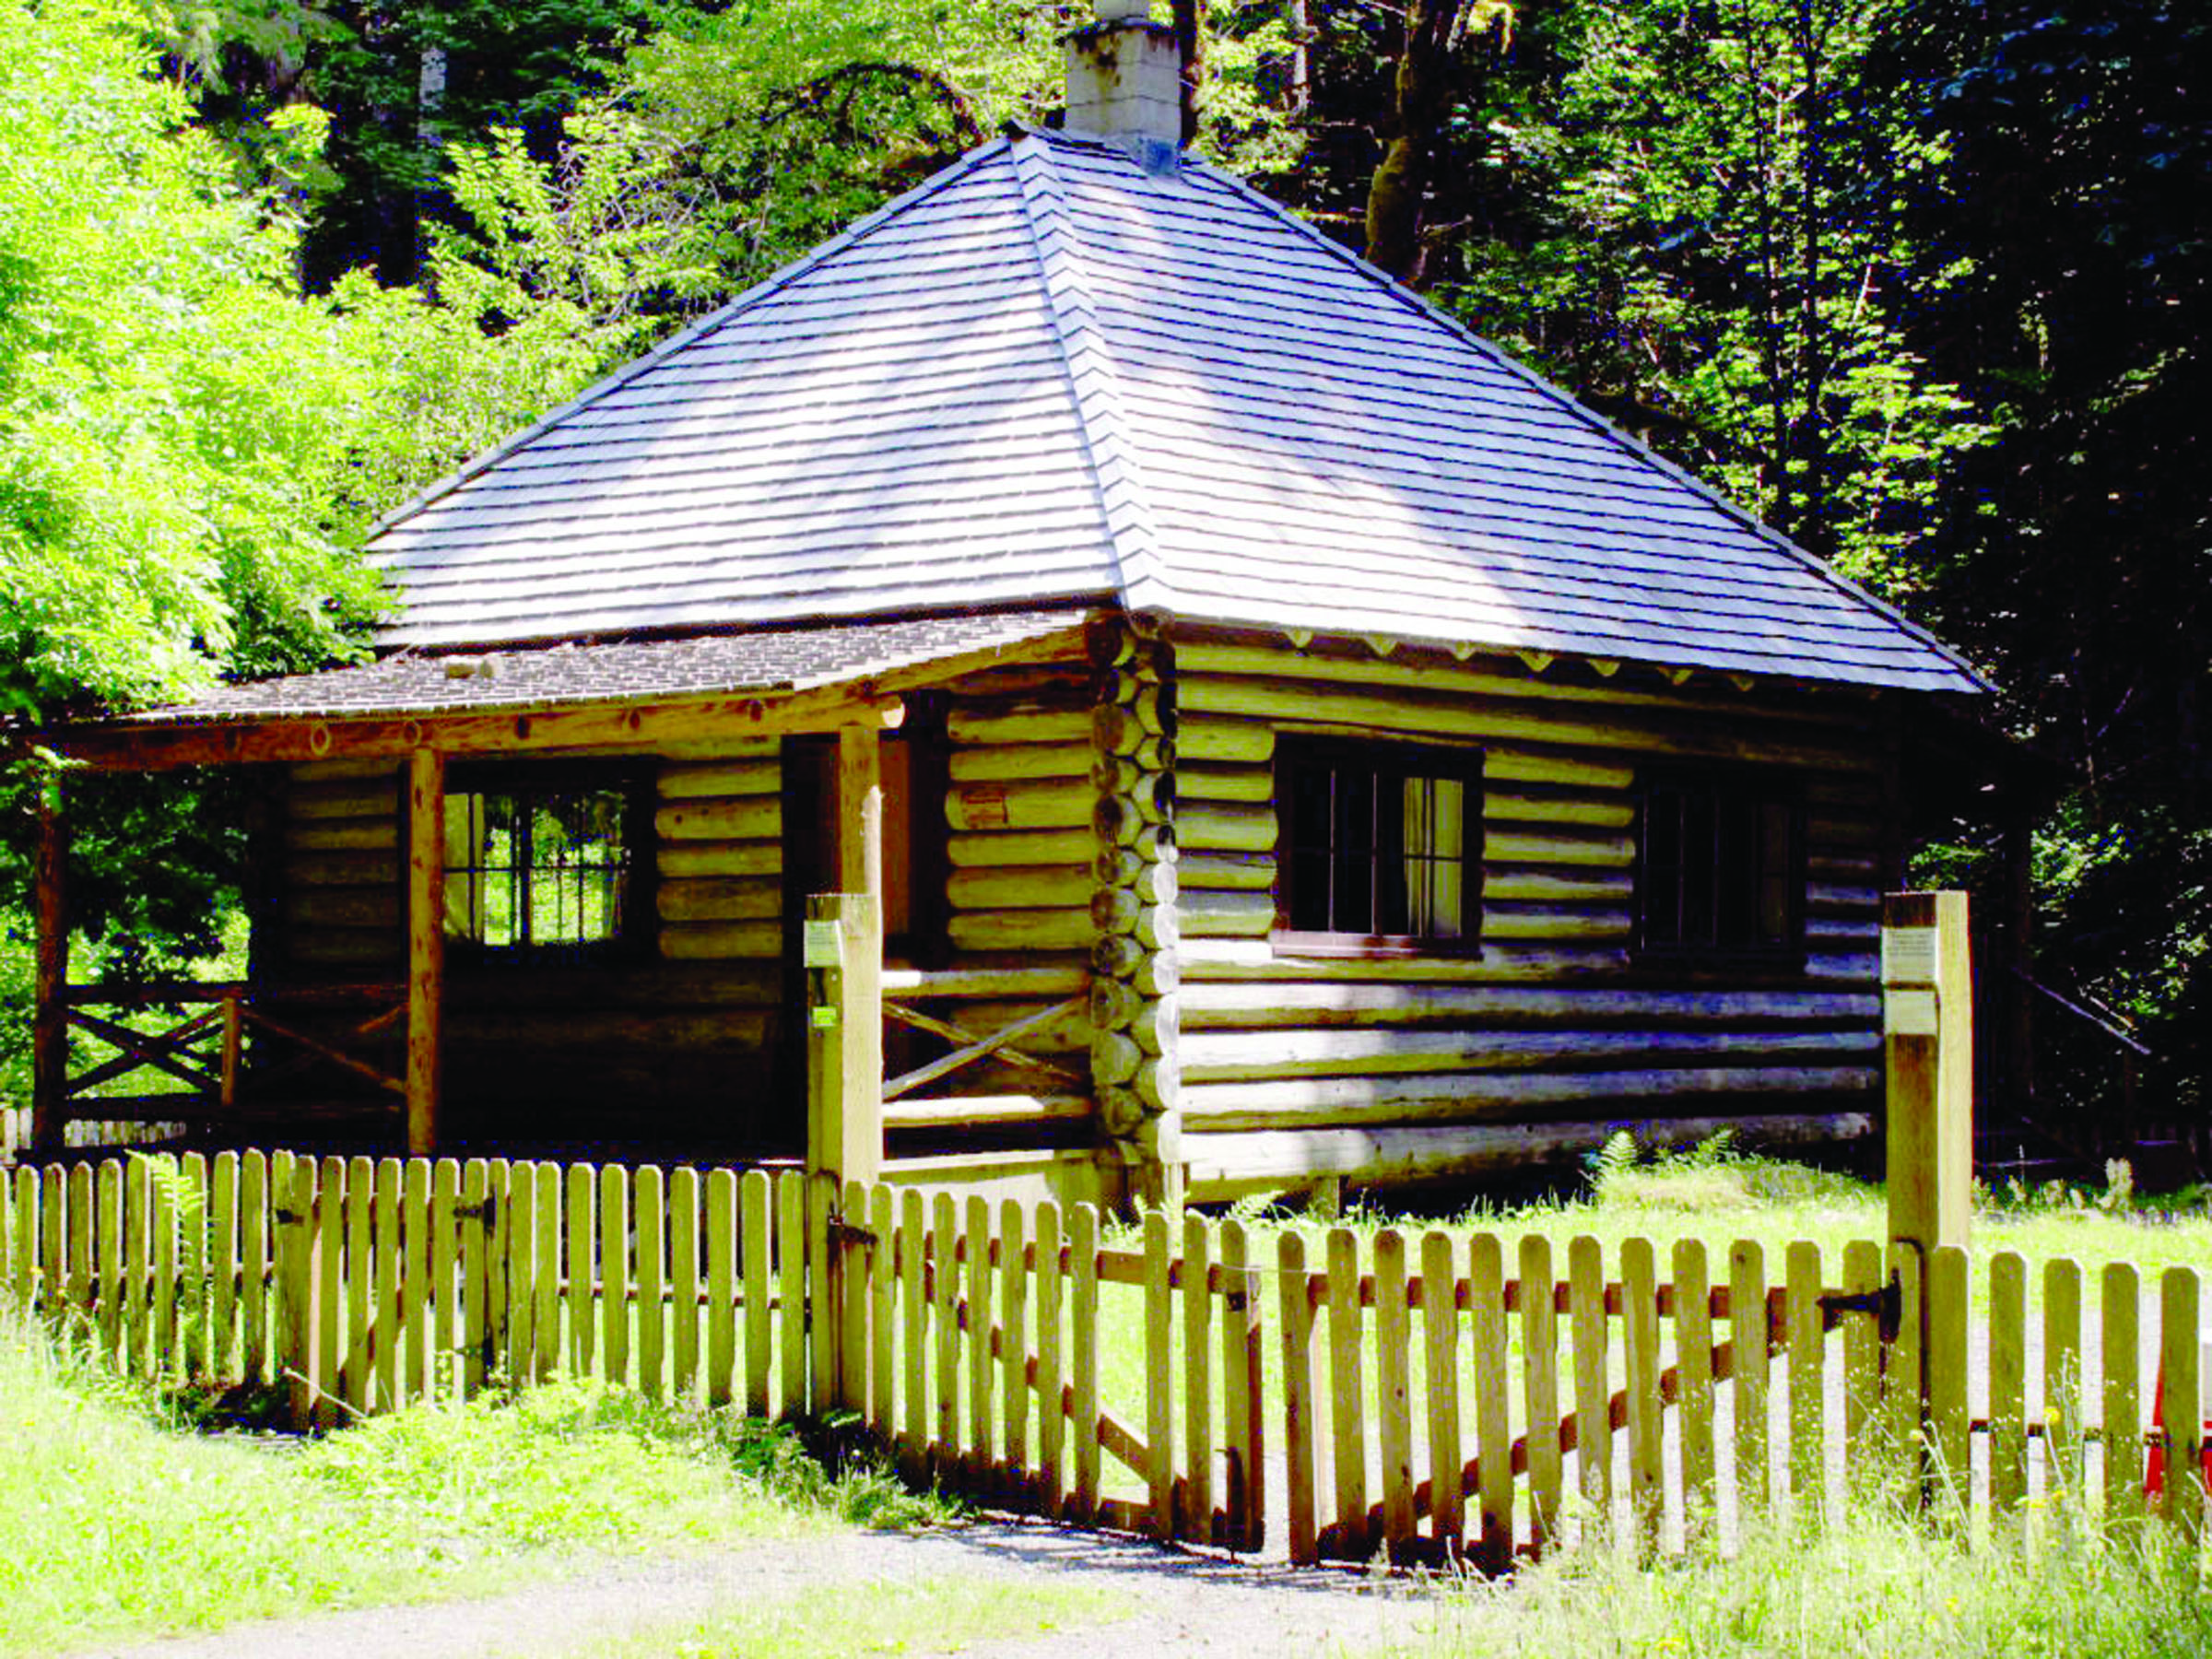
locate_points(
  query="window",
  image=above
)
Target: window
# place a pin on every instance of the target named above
(1723, 872)
(1382, 846)
(540, 863)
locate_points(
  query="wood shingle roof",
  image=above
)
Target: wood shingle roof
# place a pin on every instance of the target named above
(1068, 370)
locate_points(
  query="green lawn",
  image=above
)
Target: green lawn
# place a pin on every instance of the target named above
(125, 1523)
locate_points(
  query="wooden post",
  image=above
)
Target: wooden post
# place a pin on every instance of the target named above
(843, 959)
(50, 1017)
(426, 944)
(1928, 1049)
(860, 811)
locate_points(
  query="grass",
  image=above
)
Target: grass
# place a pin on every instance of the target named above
(1869, 1586)
(128, 1525)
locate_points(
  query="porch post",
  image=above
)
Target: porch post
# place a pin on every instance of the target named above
(426, 944)
(50, 1018)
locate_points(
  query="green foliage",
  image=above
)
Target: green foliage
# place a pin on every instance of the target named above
(1870, 1585)
(172, 419)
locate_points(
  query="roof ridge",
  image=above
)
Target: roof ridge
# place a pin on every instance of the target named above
(1505, 359)
(776, 280)
(1093, 380)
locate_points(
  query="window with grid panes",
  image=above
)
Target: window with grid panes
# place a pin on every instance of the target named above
(541, 863)
(1721, 866)
(1380, 846)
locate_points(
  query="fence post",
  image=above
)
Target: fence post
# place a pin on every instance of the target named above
(843, 959)
(1928, 1056)
(1928, 1067)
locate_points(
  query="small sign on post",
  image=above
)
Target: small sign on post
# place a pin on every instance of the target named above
(1928, 1067)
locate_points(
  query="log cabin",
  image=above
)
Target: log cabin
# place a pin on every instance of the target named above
(1280, 738)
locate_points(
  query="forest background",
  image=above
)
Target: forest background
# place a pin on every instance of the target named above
(1923, 282)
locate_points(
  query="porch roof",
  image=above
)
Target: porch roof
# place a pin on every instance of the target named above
(565, 676)
(624, 691)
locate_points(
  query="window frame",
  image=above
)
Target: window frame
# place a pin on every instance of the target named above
(1762, 788)
(637, 924)
(1401, 759)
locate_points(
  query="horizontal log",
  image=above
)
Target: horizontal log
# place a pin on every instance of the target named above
(1832, 898)
(709, 780)
(1223, 827)
(1248, 1006)
(720, 899)
(1220, 1165)
(344, 907)
(1046, 983)
(585, 987)
(1658, 732)
(699, 941)
(341, 870)
(1049, 803)
(1554, 887)
(998, 849)
(348, 947)
(1018, 760)
(343, 835)
(1216, 1056)
(1504, 763)
(330, 771)
(1510, 919)
(1023, 887)
(1203, 740)
(752, 818)
(1827, 831)
(1599, 811)
(1224, 783)
(1023, 726)
(720, 858)
(352, 798)
(1211, 912)
(1316, 1102)
(1241, 872)
(1020, 930)
(984, 1112)
(477, 1032)
(1499, 677)
(1562, 846)
(1505, 962)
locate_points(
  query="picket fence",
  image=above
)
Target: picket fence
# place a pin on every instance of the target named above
(1450, 1394)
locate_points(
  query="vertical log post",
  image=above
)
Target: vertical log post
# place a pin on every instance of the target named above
(842, 956)
(426, 944)
(50, 1018)
(1928, 1053)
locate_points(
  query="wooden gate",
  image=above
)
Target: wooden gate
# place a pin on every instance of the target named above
(973, 1343)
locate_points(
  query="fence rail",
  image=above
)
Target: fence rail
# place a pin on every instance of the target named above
(1436, 1396)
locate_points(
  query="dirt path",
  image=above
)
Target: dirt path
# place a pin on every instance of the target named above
(1179, 1602)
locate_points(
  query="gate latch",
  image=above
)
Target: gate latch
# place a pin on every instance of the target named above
(1886, 1304)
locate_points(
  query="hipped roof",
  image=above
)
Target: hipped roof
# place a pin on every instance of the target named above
(1069, 370)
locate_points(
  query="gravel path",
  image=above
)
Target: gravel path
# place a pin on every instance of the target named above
(1181, 1602)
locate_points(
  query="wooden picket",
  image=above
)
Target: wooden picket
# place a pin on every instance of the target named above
(1441, 1396)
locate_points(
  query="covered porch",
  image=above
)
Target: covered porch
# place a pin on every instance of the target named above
(716, 1021)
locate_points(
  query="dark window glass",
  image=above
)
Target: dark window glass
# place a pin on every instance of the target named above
(1380, 842)
(537, 866)
(1721, 868)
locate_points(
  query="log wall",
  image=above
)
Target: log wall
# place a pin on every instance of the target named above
(1398, 1066)
(1020, 874)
